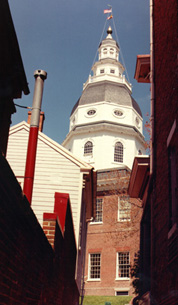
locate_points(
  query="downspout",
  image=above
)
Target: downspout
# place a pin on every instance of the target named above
(40, 76)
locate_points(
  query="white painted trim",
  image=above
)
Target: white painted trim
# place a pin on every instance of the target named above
(89, 264)
(96, 223)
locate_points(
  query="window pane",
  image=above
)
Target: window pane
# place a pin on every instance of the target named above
(88, 148)
(122, 293)
(124, 208)
(118, 152)
(95, 266)
(99, 210)
(123, 264)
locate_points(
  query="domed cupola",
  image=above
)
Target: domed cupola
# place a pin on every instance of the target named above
(106, 122)
(109, 48)
(108, 66)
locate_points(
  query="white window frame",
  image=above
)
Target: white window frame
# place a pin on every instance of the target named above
(120, 153)
(89, 267)
(121, 201)
(90, 153)
(112, 71)
(118, 266)
(98, 212)
(105, 51)
(124, 290)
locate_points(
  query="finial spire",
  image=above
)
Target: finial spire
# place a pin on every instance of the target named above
(109, 32)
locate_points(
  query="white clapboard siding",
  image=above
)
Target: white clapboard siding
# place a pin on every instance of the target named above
(56, 170)
(16, 151)
(53, 174)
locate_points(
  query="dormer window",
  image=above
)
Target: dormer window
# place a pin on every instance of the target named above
(102, 71)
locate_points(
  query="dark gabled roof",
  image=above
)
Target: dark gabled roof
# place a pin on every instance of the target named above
(12, 75)
(109, 92)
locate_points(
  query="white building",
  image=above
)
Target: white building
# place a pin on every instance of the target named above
(106, 122)
(56, 170)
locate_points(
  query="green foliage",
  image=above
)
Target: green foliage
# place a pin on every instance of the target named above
(136, 274)
(102, 300)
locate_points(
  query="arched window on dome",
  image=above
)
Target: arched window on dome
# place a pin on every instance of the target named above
(118, 152)
(88, 148)
(111, 51)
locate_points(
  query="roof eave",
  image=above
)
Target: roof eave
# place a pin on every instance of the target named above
(142, 70)
(139, 175)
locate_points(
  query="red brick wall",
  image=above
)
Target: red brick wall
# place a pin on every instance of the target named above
(30, 271)
(49, 227)
(164, 282)
(112, 236)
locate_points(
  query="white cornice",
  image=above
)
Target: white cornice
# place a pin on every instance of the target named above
(104, 126)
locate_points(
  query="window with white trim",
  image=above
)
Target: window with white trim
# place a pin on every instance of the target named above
(94, 266)
(124, 208)
(88, 148)
(102, 71)
(123, 265)
(118, 152)
(99, 210)
(122, 292)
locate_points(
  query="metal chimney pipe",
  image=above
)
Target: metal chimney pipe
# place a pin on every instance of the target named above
(40, 76)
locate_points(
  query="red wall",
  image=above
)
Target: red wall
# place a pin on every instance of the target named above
(164, 280)
(112, 236)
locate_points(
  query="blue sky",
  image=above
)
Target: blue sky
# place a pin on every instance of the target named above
(62, 37)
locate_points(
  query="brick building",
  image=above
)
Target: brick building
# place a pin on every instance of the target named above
(113, 237)
(159, 224)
